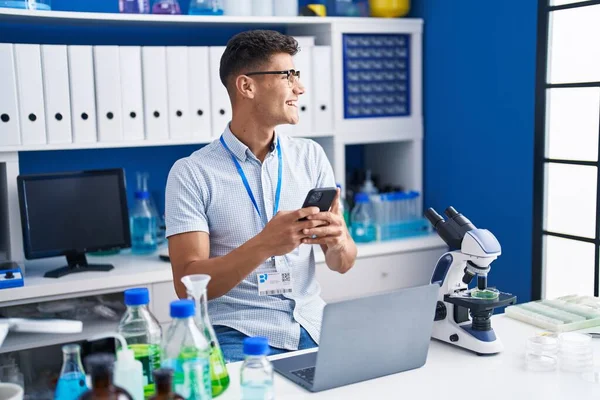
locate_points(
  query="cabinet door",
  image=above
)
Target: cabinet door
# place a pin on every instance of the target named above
(378, 274)
(163, 293)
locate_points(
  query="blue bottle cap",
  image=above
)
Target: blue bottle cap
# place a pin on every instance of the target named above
(256, 346)
(137, 297)
(182, 309)
(142, 194)
(361, 198)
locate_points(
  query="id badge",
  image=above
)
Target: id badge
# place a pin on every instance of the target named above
(272, 283)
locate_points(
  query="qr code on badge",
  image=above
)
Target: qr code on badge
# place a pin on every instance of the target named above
(285, 277)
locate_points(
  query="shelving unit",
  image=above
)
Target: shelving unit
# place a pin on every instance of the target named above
(393, 149)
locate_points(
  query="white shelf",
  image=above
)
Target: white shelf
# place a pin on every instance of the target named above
(16, 15)
(16, 341)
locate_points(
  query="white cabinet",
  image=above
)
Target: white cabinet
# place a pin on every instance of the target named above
(378, 274)
(220, 104)
(163, 293)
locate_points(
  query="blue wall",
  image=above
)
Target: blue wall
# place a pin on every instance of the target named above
(479, 76)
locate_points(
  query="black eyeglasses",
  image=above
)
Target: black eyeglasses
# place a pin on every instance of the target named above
(291, 74)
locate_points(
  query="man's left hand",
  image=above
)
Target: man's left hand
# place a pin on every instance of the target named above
(332, 232)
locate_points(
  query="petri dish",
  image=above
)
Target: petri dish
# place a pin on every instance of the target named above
(485, 294)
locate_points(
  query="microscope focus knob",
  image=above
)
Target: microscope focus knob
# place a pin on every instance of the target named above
(440, 311)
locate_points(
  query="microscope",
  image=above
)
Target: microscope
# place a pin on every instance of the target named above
(462, 315)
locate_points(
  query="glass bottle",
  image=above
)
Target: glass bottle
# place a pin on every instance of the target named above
(142, 332)
(196, 289)
(166, 7)
(363, 229)
(163, 380)
(100, 366)
(134, 6)
(256, 373)
(143, 220)
(186, 351)
(206, 7)
(71, 383)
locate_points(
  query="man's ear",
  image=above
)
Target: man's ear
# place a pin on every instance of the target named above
(246, 86)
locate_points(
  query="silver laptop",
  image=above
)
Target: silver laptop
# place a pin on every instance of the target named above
(366, 338)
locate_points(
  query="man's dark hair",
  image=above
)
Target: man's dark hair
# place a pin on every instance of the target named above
(248, 51)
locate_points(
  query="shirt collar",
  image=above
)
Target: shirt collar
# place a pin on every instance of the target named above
(239, 149)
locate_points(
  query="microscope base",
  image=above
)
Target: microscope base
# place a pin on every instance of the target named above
(483, 343)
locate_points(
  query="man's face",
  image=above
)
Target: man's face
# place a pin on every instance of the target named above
(276, 96)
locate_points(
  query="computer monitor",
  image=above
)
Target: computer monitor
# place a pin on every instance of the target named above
(71, 213)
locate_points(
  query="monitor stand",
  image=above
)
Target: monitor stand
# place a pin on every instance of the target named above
(77, 263)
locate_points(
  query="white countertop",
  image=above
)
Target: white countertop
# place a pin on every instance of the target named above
(451, 372)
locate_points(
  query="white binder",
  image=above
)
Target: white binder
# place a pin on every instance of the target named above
(130, 61)
(83, 101)
(199, 84)
(28, 63)
(57, 101)
(154, 74)
(220, 105)
(303, 63)
(178, 89)
(10, 131)
(108, 93)
(322, 82)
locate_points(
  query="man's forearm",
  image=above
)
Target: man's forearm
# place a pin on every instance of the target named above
(226, 271)
(341, 259)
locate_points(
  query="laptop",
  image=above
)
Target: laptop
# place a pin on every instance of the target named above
(367, 338)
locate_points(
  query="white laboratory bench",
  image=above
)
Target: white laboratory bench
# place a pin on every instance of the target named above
(452, 373)
(379, 267)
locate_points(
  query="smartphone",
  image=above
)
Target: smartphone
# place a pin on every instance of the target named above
(319, 197)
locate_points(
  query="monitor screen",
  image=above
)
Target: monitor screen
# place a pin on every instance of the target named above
(73, 212)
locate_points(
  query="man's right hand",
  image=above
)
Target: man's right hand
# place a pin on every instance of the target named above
(283, 233)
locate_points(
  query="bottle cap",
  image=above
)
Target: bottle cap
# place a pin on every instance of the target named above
(137, 297)
(182, 309)
(256, 346)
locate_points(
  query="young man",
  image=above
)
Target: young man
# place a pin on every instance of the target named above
(233, 207)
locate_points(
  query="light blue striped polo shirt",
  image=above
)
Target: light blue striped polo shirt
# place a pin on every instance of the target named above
(205, 193)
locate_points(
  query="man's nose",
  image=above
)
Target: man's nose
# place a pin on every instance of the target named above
(299, 88)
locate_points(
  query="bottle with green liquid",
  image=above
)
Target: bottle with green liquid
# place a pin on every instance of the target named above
(196, 289)
(142, 333)
(186, 351)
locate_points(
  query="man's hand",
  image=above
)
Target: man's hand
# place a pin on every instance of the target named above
(284, 232)
(331, 230)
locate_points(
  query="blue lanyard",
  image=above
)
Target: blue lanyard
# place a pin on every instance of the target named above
(245, 180)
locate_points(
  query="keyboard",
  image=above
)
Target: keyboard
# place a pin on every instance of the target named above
(306, 374)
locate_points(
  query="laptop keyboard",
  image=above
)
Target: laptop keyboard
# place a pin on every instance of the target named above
(307, 374)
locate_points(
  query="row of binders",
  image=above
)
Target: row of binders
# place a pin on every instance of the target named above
(60, 94)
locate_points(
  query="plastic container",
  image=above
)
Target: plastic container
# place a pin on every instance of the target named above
(542, 353)
(363, 228)
(134, 6)
(71, 383)
(43, 5)
(142, 332)
(166, 7)
(100, 367)
(575, 352)
(348, 8)
(207, 7)
(186, 351)
(256, 372)
(389, 8)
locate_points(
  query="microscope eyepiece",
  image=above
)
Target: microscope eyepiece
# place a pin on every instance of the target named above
(433, 217)
(451, 212)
